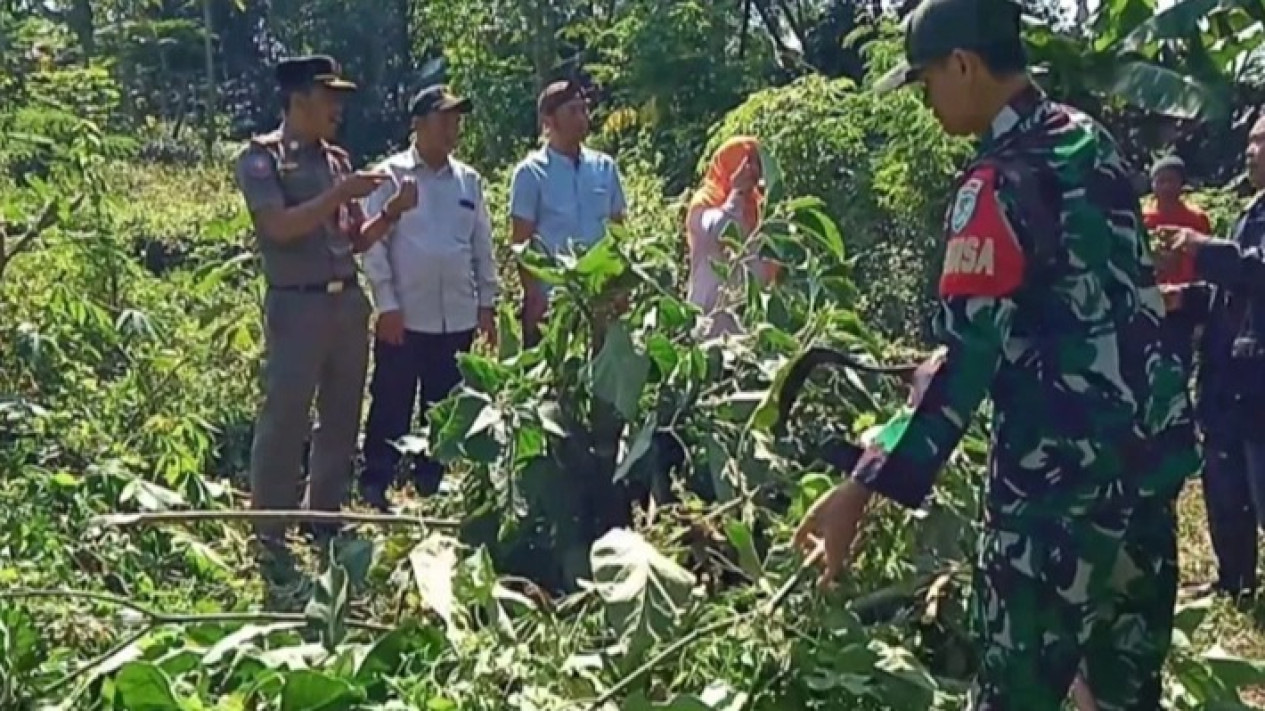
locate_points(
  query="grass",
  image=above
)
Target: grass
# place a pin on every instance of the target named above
(1238, 630)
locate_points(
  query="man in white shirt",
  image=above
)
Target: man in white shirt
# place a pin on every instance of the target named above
(434, 283)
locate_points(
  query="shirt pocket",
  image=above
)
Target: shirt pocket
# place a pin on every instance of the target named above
(600, 199)
(461, 230)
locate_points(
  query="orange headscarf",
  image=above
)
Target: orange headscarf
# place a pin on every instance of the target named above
(718, 180)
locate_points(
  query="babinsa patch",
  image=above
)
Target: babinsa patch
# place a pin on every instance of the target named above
(982, 256)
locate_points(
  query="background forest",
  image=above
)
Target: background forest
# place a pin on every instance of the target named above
(130, 347)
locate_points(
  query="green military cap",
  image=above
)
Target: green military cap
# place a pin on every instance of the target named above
(301, 72)
(938, 27)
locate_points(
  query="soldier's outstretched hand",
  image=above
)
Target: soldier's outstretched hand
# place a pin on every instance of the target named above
(361, 183)
(832, 524)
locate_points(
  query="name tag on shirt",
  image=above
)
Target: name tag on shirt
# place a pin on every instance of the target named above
(467, 204)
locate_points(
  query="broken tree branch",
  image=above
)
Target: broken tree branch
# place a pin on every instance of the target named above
(155, 518)
(157, 618)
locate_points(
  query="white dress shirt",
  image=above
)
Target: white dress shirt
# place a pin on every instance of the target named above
(436, 264)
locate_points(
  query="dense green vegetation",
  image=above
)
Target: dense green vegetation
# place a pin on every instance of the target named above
(130, 345)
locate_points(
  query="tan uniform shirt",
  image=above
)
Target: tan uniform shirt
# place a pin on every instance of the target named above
(277, 171)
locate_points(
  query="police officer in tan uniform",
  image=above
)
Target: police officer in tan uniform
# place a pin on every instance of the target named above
(302, 195)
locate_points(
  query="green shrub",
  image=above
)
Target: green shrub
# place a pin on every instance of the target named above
(1223, 205)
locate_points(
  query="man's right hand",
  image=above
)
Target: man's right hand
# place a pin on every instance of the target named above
(390, 328)
(360, 183)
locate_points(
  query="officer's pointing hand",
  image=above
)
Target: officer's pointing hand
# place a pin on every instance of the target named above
(405, 197)
(361, 183)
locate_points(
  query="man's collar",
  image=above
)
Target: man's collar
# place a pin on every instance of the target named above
(413, 158)
(552, 153)
(1016, 111)
(292, 142)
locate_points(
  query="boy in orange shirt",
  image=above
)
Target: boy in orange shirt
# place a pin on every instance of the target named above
(1168, 179)
(1175, 272)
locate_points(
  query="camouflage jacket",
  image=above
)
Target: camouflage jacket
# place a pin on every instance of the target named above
(1048, 303)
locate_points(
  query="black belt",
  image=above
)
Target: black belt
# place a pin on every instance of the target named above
(326, 287)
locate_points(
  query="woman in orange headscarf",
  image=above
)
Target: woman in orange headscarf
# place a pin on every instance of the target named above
(729, 195)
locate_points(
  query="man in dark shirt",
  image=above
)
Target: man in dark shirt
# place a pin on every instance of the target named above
(1231, 380)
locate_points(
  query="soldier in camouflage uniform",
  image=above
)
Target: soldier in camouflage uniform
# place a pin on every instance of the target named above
(301, 193)
(1048, 303)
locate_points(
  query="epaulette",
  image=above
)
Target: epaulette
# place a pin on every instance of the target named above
(271, 138)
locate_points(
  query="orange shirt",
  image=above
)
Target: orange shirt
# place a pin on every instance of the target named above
(1185, 215)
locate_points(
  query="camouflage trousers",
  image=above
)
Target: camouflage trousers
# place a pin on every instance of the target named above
(1096, 596)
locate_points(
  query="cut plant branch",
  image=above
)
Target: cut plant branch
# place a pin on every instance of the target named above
(868, 609)
(158, 518)
(157, 618)
(770, 605)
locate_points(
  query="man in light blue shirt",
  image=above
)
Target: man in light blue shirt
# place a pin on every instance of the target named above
(434, 283)
(564, 193)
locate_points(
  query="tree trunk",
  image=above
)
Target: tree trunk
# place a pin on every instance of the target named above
(82, 22)
(211, 98)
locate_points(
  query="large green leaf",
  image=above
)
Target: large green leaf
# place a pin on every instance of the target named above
(307, 690)
(602, 262)
(637, 449)
(1163, 91)
(1183, 18)
(142, 686)
(644, 592)
(619, 372)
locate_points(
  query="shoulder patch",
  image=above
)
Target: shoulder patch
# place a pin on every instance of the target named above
(257, 164)
(982, 256)
(964, 204)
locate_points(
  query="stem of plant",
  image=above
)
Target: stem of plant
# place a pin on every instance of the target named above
(158, 618)
(126, 520)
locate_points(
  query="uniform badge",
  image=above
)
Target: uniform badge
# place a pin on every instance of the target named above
(259, 166)
(964, 205)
